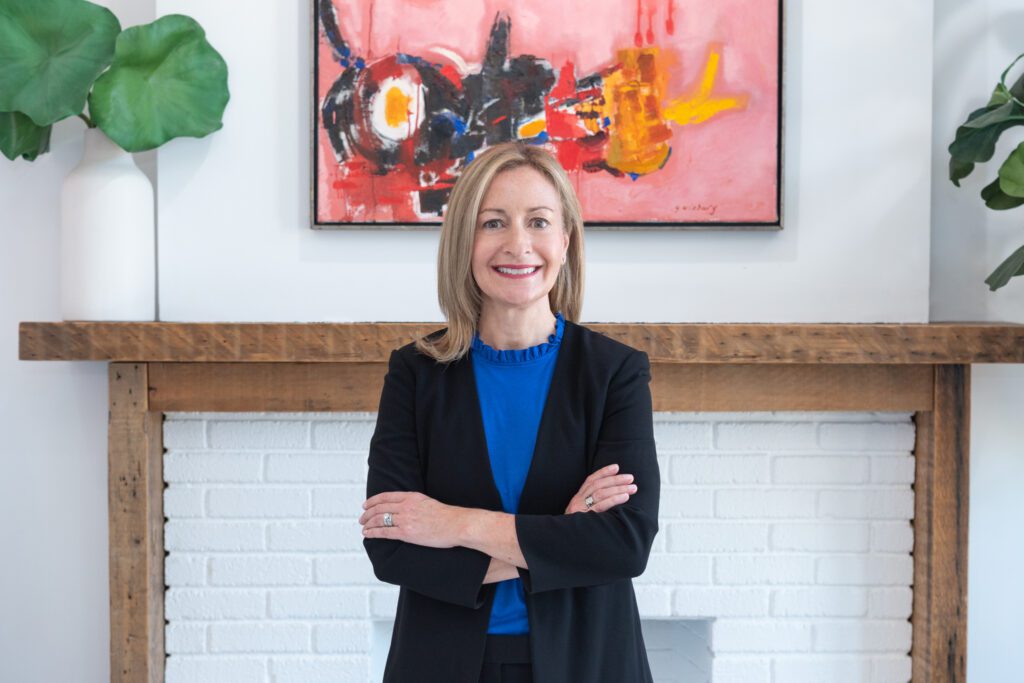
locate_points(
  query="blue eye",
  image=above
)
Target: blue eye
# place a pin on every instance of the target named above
(543, 222)
(493, 223)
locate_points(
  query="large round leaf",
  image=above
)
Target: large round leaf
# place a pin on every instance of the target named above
(50, 54)
(166, 81)
(19, 136)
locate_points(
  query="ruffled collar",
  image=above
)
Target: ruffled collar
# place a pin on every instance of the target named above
(530, 353)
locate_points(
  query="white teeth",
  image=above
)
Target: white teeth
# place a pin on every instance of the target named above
(517, 271)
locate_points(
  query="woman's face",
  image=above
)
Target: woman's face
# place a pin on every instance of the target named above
(519, 227)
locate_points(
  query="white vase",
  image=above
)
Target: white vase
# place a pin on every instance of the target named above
(107, 237)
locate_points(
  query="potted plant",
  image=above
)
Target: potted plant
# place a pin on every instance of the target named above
(976, 143)
(134, 89)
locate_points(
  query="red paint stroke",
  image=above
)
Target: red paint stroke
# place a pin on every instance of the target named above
(650, 26)
(638, 38)
(670, 24)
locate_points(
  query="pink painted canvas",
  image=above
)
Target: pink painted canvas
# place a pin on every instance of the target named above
(665, 113)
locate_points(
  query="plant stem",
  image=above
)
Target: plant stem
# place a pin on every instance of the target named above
(87, 120)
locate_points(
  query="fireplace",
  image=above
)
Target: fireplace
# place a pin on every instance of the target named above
(795, 456)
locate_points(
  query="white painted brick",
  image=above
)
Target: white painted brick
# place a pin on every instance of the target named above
(319, 603)
(261, 636)
(184, 433)
(892, 537)
(257, 434)
(898, 436)
(818, 537)
(185, 638)
(183, 501)
(342, 636)
(660, 544)
(716, 537)
(819, 602)
(895, 603)
(260, 570)
(321, 669)
(653, 601)
(719, 468)
(861, 504)
(214, 603)
(819, 469)
(675, 569)
(764, 503)
(343, 435)
(761, 635)
(316, 468)
(183, 569)
(252, 501)
(740, 669)
(213, 535)
(685, 502)
(821, 669)
(862, 635)
(893, 669)
(717, 602)
(200, 468)
(339, 501)
(384, 602)
(893, 469)
(775, 436)
(351, 568)
(682, 436)
(764, 569)
(207, 669)
(876, 570)
(326, 536)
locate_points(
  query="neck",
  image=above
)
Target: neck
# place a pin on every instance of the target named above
(516, 328)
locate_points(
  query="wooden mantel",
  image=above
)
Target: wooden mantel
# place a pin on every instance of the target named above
(239, 367)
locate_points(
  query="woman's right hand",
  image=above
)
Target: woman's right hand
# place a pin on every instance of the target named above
(606, 486)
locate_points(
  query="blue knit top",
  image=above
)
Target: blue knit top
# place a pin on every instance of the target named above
(513, 386)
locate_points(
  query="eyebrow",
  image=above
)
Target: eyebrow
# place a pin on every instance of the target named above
(531, 209)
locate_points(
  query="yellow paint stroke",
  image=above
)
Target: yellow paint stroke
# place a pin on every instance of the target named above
(532, 129)
(700, 105)
(638, 140)
(396, 107)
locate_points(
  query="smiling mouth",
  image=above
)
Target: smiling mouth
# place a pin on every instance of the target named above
(515, 273)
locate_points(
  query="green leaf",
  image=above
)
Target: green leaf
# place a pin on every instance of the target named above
(1011, 173)
(1011, 267)
(166, 81)
(998, 200)
(975, 145)
(1017, 90)
(959, 169)
(20, 136)
(998, 113)
(50, 54)
(999, 96)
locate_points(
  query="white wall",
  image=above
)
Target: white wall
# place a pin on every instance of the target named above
(974, 42)
(859, 138)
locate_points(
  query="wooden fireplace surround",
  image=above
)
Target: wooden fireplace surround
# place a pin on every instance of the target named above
(243, 367)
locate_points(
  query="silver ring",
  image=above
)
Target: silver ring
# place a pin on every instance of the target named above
(387, 519)
(589, 500)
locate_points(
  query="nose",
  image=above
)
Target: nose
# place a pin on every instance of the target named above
(517, 240)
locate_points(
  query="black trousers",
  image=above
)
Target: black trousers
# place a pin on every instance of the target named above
(507, 659)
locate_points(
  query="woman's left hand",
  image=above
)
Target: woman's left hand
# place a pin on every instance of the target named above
(417, 519)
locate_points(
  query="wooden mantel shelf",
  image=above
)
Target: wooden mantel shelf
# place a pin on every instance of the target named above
(158, 367)
(808, 343)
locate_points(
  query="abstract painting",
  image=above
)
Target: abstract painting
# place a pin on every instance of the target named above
(665, 113)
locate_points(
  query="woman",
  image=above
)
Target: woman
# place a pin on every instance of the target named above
(513, 481)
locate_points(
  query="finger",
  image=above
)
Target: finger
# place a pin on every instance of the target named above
(386, 497)
(381, 532)
(603, 472)
(377, 510)
(609, 491)
(610, 502)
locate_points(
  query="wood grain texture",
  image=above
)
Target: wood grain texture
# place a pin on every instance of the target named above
(136, 526)
(901, 344)
(941, 489)
(344, 387)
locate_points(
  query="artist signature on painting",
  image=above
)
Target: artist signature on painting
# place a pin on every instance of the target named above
(708, 209)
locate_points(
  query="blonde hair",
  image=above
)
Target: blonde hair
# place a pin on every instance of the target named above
(457, 291)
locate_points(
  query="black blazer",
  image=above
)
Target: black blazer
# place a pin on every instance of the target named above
(429, 437)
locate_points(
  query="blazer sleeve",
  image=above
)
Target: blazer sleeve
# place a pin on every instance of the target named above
(453, 575)
(591, 548)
